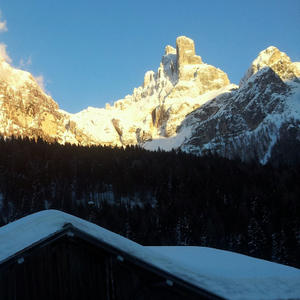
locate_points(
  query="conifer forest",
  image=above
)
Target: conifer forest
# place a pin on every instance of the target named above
(158, 198)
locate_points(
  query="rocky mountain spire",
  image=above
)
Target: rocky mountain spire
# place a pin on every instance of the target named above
(194, 76)
(186, 55)
(252, 122)
(185, 104)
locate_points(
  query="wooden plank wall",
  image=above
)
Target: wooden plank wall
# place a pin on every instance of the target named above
(70, 268)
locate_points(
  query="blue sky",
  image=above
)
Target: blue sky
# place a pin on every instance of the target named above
(92, 52)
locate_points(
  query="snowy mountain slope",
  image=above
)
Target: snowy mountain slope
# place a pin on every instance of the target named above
(175, 141)
(227, 274)
(186, 104)
(156, 108)
(27, 111)
(279, 62)
(247, 122)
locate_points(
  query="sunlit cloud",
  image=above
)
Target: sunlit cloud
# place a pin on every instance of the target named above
(3, 26)
(3, 54)
(41, 82)
(25, 63)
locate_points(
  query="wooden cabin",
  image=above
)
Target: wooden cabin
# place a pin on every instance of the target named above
(52, 255)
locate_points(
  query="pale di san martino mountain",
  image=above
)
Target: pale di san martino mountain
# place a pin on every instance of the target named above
(187, 104)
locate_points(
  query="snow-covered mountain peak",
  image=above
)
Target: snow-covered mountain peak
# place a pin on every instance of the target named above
(14, 77)
(27, 111)
(186, 104)
(280, 63)
(249, 122)
(156, 109)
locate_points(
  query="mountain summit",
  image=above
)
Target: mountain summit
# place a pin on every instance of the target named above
(278, 61)
(260, 118)
(27, 111)
(186, 104)
(156, 108)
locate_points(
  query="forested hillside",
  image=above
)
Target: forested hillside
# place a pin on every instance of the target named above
(158, 198)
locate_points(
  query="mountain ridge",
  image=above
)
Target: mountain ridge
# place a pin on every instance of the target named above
(187, 104)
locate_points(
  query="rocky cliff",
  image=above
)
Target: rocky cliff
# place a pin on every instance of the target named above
(185, 104)
(27, 111)
(247, 122)
(156, 108)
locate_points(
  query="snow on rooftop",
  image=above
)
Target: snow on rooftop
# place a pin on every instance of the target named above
(228, 274)
(236, 276)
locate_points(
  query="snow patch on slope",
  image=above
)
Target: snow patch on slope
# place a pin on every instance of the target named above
(169, 143)
(185, 131)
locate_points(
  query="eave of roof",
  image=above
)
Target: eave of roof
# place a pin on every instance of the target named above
(40, 229)
(280, 282)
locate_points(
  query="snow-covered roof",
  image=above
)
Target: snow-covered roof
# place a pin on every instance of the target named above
(227, 274)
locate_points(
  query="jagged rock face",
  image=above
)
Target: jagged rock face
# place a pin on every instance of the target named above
(156, 108)
(170, 50)
(186, 56)
(278, 61)
(26, 111)
(249, 121)
(231, 124)
(194, 76)
(186, 104)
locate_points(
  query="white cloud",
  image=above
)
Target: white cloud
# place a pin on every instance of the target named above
(41, 82)
(3, 54)
(25, 63)
(3, 26)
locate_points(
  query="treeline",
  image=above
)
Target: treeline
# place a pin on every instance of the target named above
(158, 198)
